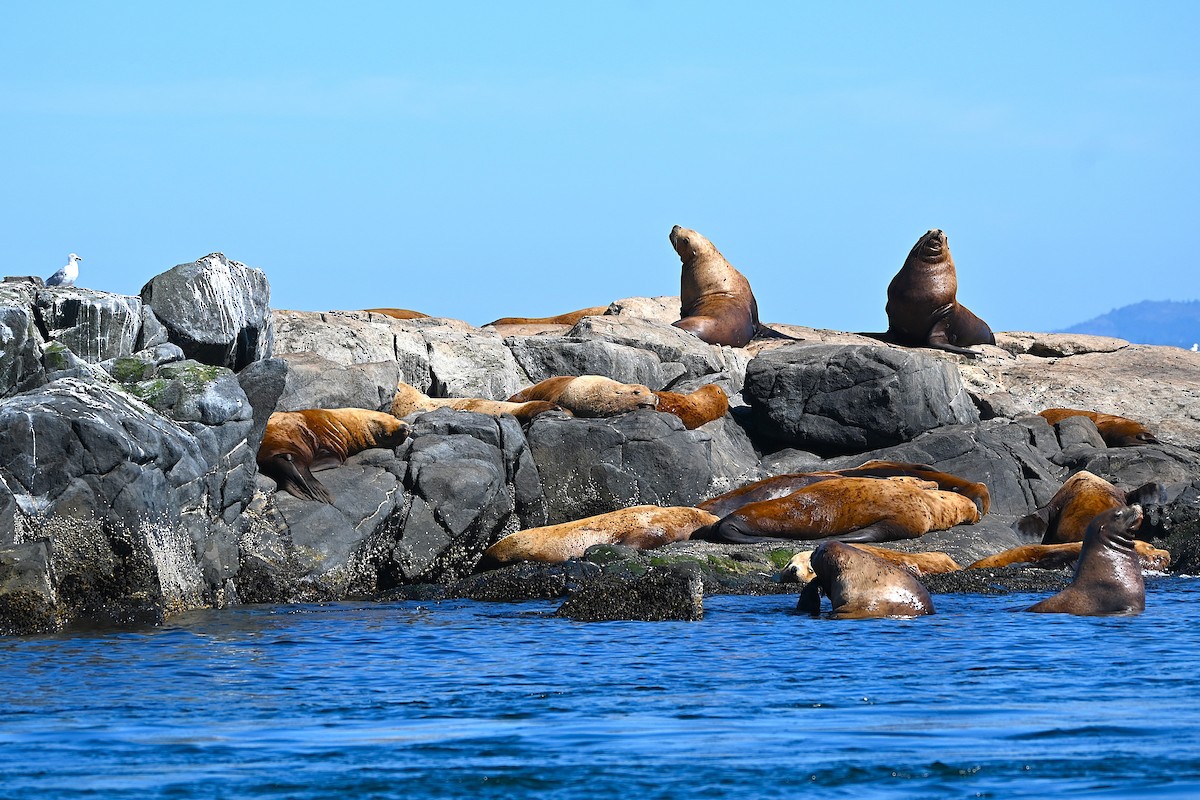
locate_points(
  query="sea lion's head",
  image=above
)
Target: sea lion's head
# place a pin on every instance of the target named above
(688, 244)
(931, 247)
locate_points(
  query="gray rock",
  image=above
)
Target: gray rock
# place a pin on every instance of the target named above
(20, 342)
(313, 381)
(217, 310)
(264, 383)
(541, 357)
(524, 581)
(94, 325)
(27, 602)
(663, 593)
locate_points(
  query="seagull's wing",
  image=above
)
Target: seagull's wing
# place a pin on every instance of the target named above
(57, 278)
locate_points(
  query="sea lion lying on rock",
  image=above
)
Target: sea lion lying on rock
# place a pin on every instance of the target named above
(1084, 495)
(698, 408)
(642, 527)
(1108, 575)
(398, 313)
(409, 400)
(1115, 431)
(297, 443)
(850, 509)
(1057, 556)
(589, 395)
(922, 305)
(570, 318)
(861, 585)
(799, 568)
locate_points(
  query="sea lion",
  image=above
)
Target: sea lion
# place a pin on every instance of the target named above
(698, 408)
(589, 395)
(716, 303)
(1115, 431)
(861, 585)
(1057, 556)
(922, 308)
(409, 399)
(570, 318)
(850, 509)
(297, 443)
(1084, 495)
(398, 313)
(643, 527)
(783, 485)
(1108, 576)
(799, 568)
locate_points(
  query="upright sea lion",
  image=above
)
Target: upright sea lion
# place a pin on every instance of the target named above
(851, 509)
(922, 305)
(861, 585)
(589, 395)
(1108, 576)
(296, 443)
(698, 408)
(642, 527)
(409, 399)
(716, 303)
(1084, 495)
(782, 485)
(1057, 556)
(799, 568)
(398, 313)
(570, 318)
(1115, 431)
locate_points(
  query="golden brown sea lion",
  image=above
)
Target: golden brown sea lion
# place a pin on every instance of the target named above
(296, 443)
(716, 303)
(1057, 556)
(589, 395)
(850, 509)
(570, 318)
(799, 568)
(409, 399)
(1115, 431)
(922, 307)
(782, 485)
(861, 585)
(398, 313)
(1108, 576)
(698, 408)
(643, 527)
(1084, 495)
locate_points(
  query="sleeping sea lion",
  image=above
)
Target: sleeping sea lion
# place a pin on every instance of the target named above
(570, 318)
(861, 585)
(398, 313)
(1084, 495)
(799, 568)
(643, 527)
(698, 408)
(409, 399)
(850, 509)
(297, 443)
(1115, 431)
(1108, 576)
(589, 395)
(1057, 556)
(922, 308)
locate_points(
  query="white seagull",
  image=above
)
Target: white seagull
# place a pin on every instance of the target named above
(67, 275)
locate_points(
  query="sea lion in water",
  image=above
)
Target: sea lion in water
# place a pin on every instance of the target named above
(589, 395)
(296, 443)
(861, 585)
(398, 313)
(1057, 556)
(799, 568)
(570, 318)
(1115, 431)
(1108, 576)
(783, 485)
(850, 509)
(642, 527)
(922, 305)
(409, 399)
(698, 408)
(1077, 502)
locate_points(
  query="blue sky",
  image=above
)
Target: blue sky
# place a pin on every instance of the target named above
(477, 160)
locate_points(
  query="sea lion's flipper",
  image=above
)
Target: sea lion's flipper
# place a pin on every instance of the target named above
(296, 479)
(1152, 493)
(1034, 525)
(810, 598)
(883, 531)
(728, 531)
(764, 332)
(326, 459)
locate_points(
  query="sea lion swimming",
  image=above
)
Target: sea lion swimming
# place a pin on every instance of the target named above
(698, 408)
(1115, 431)
(589, 395)
(1108, 576)
(1077, 502)
(922, 307)
(297, 443)
(409, 400)
(861, 585)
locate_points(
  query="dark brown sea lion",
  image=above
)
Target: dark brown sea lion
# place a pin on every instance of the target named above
(782, 485)
(570, 318)
(1057, 556)
(698, 408)
(850, 509)
(799, 568)
(1108, 576)
(716, 303)
(642, 527)
(409, 399)
(297, 443)
(398, 313)
(589, 395)
(861, 585)
(1115, 431)
(922, 305)
(1084, 495)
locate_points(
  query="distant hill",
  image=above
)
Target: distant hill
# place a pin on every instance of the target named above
(1148, 322)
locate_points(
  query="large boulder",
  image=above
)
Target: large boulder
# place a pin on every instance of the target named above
(20, 342)
(94, 325)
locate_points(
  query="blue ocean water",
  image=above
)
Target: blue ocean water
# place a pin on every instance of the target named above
(465, 699)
